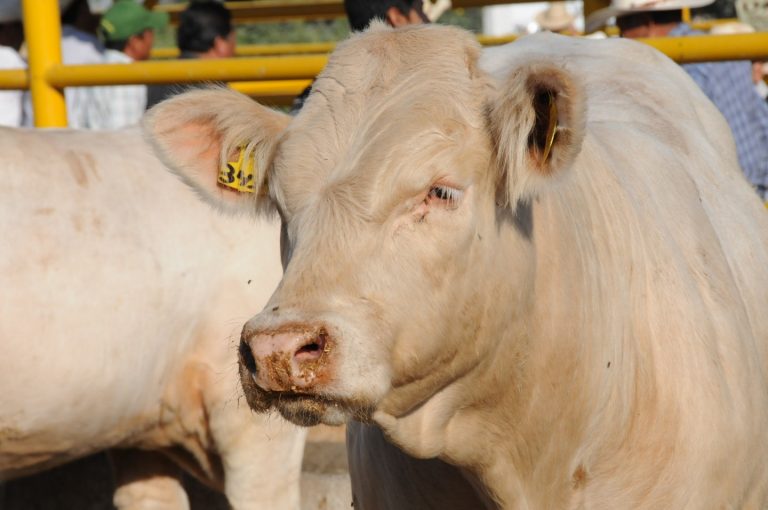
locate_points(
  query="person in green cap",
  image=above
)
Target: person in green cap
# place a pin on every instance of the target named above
(127, 30)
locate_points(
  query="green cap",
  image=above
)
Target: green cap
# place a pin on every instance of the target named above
(126, 18)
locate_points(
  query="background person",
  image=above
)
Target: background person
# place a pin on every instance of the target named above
(360, 13)
(396, 13)
(127, 29)
(11, 38)
(205, 31)
(759, 67)
(728, 85)
(79, 42)
(79, 46)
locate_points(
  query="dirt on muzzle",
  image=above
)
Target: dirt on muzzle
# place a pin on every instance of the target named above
(299, 407)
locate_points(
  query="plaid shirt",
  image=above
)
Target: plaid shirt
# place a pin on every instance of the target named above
(113, 107)
(78, 48)
(729, 86)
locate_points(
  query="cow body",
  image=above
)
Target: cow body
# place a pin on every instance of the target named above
(121, 295)
(538, 269)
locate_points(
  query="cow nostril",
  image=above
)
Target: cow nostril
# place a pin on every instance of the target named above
(246, 357)
(313, 349)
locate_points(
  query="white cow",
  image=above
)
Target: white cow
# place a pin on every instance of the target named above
(122, 299)
(540, 270)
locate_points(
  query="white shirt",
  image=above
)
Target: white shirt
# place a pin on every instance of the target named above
(78, 48)
(11, 100)
(113, 107)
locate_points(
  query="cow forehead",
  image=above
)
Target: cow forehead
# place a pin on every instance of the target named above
(387, 102)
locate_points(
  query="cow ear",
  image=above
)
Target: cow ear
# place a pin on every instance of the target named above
(537, 125)
(219, 142)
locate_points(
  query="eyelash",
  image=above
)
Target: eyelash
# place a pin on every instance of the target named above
(451, 196)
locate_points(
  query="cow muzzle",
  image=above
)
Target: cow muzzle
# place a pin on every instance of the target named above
(293, 358)
(288, 369)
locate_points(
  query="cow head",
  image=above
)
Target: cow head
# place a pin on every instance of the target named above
(404, 187)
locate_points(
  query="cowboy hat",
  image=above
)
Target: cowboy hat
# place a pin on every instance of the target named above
(622, 7)
(555, 17)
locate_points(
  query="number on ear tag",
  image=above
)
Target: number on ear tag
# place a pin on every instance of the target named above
(239, 175)
(551, 128)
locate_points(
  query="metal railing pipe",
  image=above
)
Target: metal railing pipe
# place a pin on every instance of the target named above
(485, 40)
(681, 49)
(713, 47)
(255, 50)
(268, 11)
(14, 79)
(290, 88)
(496, 40)
(42, 31)
(260, 11)
(187, 71)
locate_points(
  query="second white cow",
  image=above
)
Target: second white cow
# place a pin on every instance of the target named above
(121, 304)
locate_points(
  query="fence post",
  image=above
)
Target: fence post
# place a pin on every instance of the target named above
(42, 30)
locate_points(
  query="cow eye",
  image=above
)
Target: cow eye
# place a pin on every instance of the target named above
(445, 194)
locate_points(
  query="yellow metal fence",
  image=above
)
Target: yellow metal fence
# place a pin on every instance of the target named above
(42, 31)
(260, 11)
(278, 77)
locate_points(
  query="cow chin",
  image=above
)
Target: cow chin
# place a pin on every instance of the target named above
(303, 409)
(308, 411)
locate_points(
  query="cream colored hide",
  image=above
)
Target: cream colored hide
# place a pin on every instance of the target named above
(121, 306)
(572, 313)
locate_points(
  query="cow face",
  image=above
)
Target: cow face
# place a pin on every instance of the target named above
(403, 188)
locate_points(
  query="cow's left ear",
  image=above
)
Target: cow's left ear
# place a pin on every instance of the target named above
(537, 122)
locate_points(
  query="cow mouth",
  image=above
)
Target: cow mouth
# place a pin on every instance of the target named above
(303, 408)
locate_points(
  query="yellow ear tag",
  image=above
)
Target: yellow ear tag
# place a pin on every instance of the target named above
(239, 175)
(551, 128)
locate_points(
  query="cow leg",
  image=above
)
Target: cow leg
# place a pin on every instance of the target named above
(261, 455)
(273, 481)
(147, 481)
